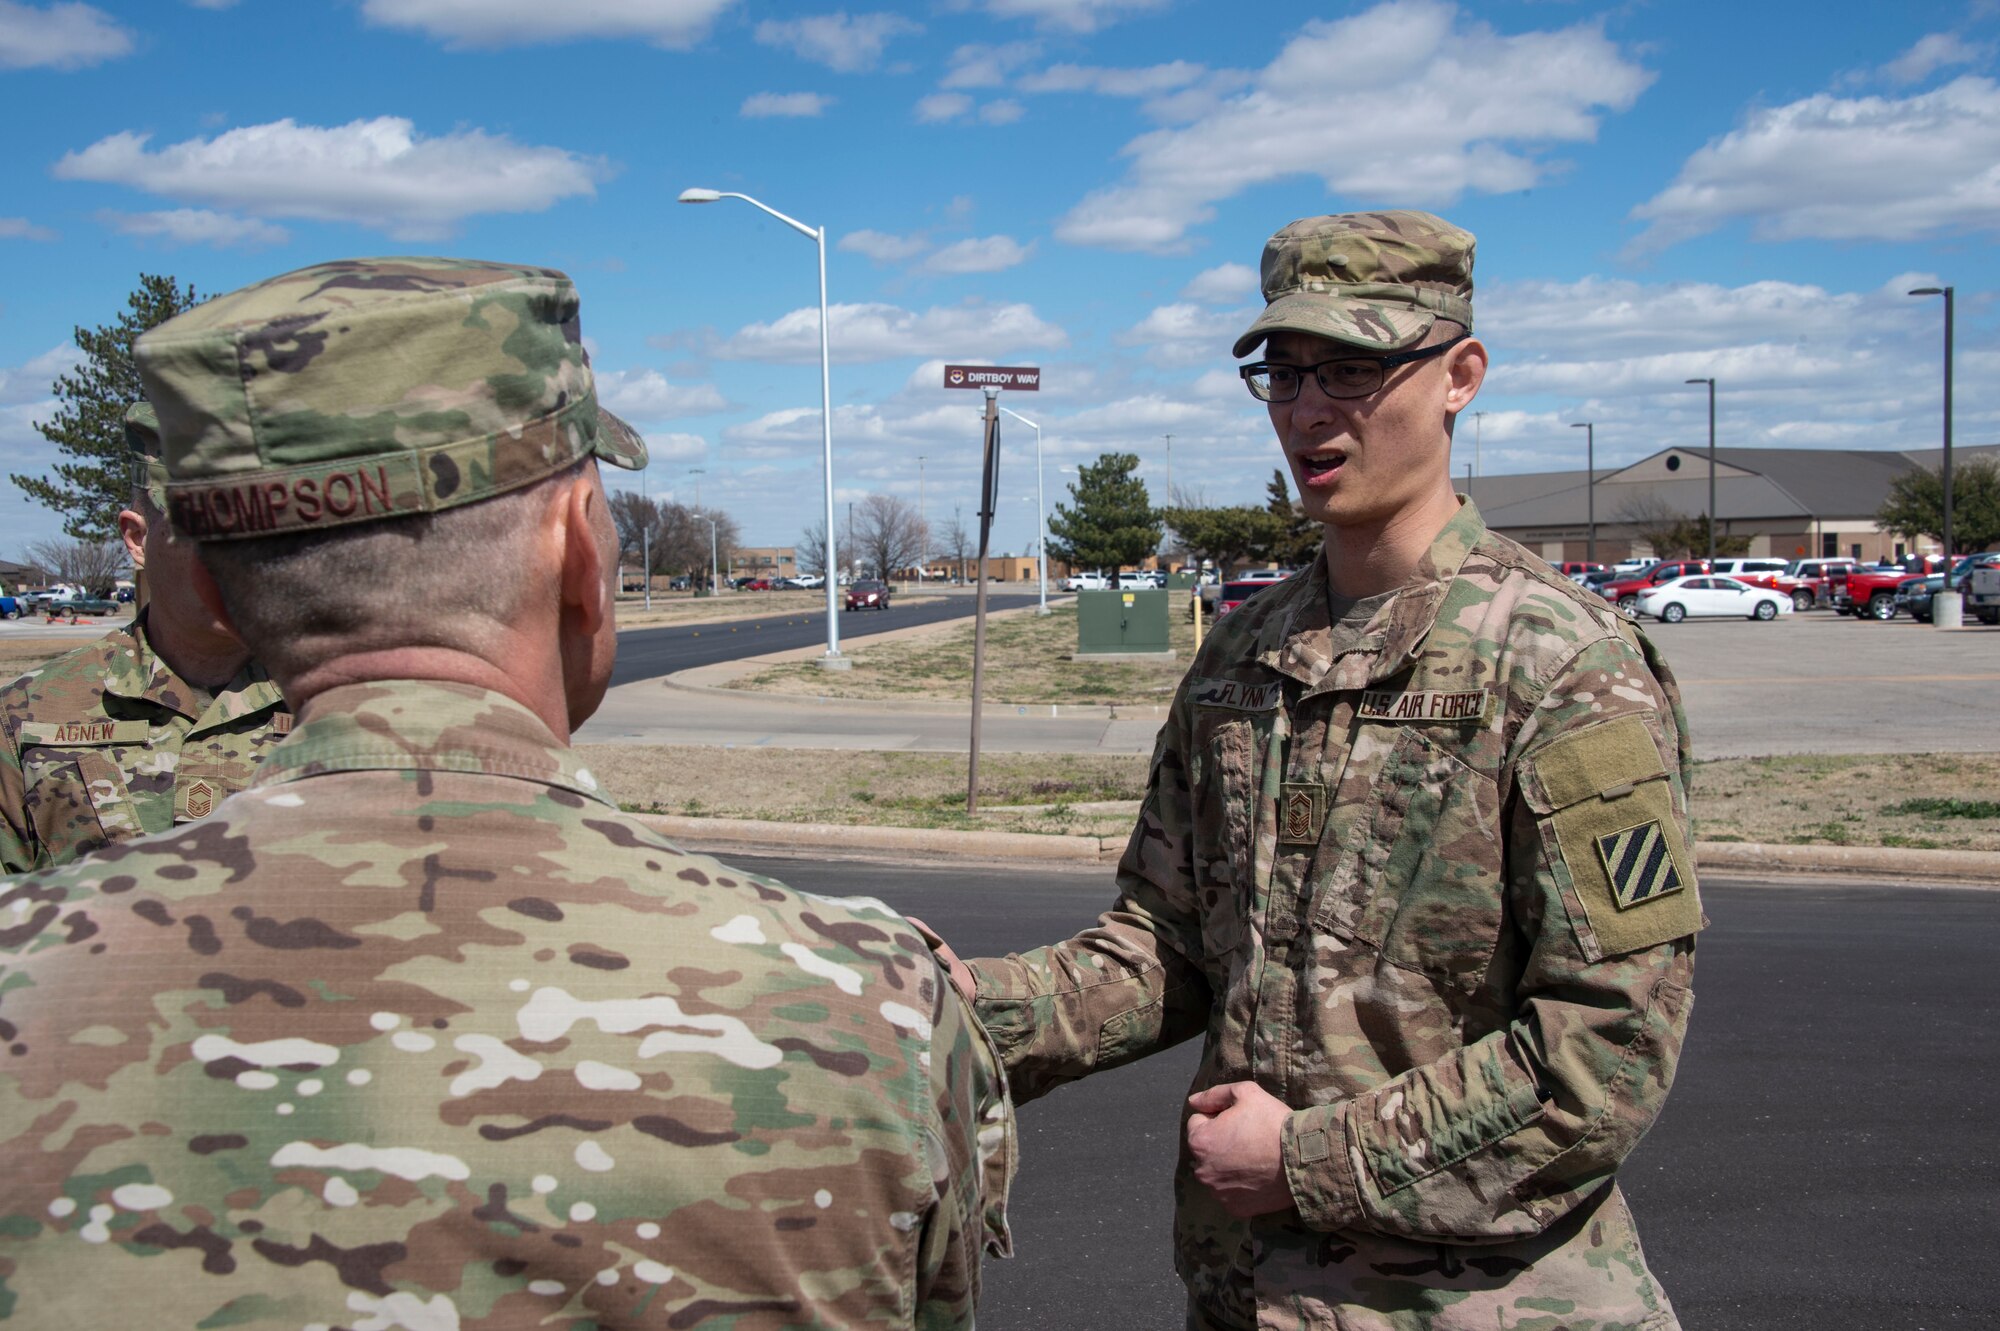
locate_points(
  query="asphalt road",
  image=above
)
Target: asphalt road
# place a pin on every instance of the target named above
(1830, 1157)
(650, 653)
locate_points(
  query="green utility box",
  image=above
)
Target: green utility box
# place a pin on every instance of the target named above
(1180, 582)
(1126, 623)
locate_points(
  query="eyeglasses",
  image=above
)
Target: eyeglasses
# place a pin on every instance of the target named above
(1346, 377)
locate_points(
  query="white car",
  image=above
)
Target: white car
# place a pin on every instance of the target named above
(810, 581)
(1086, 582)
(1685, 598)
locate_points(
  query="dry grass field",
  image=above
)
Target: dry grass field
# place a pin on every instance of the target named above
(1029, 659)
(1923, 802)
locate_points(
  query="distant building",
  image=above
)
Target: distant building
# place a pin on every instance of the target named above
(764, 561)
(1793, 503)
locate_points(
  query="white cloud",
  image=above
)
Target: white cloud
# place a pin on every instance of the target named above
(1071, 15)
(377, 173)
(58, 36)
(1489, 103)
(673, 447)
(1838, 168)
(34, 381)
(647, 395)
(1223, 284)
(983, 254)
(987, 66)
(20, 228)
(197, 226)
(674, 24)
(1939, 50)
(843, 42)
(883, 247)
(1186, 334)
(875, 332)
(941, 106)
(1003, 112)
(1150, 81)
(785, 104)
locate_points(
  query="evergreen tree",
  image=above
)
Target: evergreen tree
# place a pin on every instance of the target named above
(89, 424)
(1297, 537)
(1915, 506)
(1229, 536)
(1112, 522)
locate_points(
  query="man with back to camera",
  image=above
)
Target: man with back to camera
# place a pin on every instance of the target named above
(149, 726)
(1413, 858)
(419, 1031)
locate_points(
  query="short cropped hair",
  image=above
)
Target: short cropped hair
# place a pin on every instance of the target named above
(446, 579)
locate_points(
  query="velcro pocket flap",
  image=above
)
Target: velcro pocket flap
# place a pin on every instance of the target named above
(1604, 760)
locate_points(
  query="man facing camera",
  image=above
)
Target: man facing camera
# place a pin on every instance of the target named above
(1413, 862)
(419, 1031)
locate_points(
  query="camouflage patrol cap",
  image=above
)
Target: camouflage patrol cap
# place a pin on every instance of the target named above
(142, 443)
(1376, 280)
(372, 388)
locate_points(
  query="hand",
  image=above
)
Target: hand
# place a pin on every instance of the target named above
(961, 974)
(1236, 1136)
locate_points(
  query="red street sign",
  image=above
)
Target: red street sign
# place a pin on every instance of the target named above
(1022, 378)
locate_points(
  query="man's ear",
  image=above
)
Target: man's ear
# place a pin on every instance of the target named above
(585, 587)
(132, 531)
(210, 594)
(1465, 365)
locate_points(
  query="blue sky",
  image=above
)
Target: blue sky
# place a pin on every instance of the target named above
(1660, 191)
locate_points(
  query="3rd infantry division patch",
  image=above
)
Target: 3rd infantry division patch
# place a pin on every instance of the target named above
(1640, 865)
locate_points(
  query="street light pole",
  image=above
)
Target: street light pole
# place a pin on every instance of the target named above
(1478, 429)
(1041, 513)
(1946, 292)
(1711, 467)
(833, 660)
(1590, 486)
(714, 573)
(697, 472)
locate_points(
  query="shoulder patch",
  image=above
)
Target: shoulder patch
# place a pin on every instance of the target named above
(1609, 801)
(1238, 695)
(82, 734)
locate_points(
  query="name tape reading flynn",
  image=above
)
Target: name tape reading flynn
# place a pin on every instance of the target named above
(1024, 378)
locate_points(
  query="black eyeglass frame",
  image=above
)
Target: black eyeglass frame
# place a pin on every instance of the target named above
(1383, 363)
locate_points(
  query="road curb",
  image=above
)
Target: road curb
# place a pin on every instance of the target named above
(1963, 867)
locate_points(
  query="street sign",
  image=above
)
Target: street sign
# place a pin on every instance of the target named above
(1021, 378)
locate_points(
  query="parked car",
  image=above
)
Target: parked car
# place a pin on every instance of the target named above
(869, 594)
(1086, 582)
(1237, 591)
(810, 581)
(1764, 571)
(1704, 596)
(1816, 576)
(753, 584)
(83, 605)
(1869, 592)
(1982, 593)
(10, 608)
(1624, 592)
(1575, 568)
(1913, 595)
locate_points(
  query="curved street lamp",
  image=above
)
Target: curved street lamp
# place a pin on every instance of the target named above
(833, 660)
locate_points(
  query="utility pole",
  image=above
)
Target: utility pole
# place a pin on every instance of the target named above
(697, 473)
(1711, 467)
(923, 529)
(1478, 429)
(1589, 484)
(646, 540)
(989, 490)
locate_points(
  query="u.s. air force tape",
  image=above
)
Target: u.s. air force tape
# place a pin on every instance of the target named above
(1465, 706)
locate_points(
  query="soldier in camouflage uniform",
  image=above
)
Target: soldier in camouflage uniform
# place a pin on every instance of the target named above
(1413, 862)
(419, 1031)
(151, 725)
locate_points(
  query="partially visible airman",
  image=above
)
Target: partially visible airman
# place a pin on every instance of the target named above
(149, 726)
(420, 1031)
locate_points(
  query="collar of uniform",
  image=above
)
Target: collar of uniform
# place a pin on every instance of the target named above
(425, 726)
(1299, 644)
(139, 673)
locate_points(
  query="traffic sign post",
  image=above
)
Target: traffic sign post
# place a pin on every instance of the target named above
(988, 379)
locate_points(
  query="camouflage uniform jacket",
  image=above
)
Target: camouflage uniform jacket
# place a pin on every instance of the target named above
(1433, 893)
(420, 1032)
(107, 743)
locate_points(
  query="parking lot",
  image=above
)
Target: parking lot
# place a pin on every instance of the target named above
(1824, 683)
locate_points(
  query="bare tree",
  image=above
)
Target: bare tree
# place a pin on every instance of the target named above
(888, 535)
(682, 542)
(811, 553)
(92, 565)
(954, 540)
(638, 522)
(1656, 522)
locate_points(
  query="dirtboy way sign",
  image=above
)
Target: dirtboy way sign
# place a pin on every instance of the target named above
(1022, 378)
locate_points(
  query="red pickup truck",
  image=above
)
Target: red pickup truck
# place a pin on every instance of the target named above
(1869, 591)
(1624, 592)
